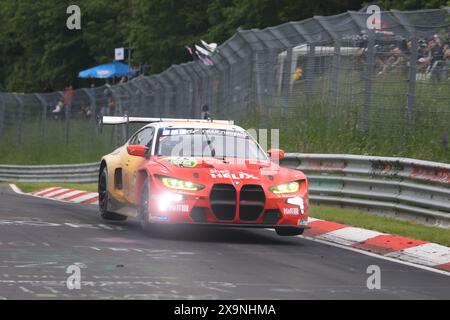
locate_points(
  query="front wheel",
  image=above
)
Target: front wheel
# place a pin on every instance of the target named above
(103, 198)
(289, 231)
(143, 207)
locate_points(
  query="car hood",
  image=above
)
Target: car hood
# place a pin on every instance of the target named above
(228, 170)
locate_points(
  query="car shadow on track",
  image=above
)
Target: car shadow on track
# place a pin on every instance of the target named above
(196, 233)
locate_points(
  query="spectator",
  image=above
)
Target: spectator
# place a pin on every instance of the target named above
(87, 112)
(422, 57)
(436, 69)
(59, 108)
(205, 112)
(446, 45)
(436, 52)
(68, 95)
(111, 107)
(102, 112)
(395, 59)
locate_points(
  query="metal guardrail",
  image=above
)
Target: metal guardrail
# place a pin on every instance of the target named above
(406, 188)
(75, 173)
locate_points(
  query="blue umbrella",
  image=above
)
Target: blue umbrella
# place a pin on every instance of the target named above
(108, 70)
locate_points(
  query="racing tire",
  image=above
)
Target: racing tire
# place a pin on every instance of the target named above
(289, 231)
(143, 207)
(103, 198)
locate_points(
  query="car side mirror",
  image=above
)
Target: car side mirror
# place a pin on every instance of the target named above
(137, 150)
(276, 154)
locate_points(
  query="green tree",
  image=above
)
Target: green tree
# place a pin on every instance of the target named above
(105, 27)
(38, 52)
(413, 4)
(160, 29)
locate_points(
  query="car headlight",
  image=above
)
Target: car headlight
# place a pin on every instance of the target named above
(289, 187)
(178, 184)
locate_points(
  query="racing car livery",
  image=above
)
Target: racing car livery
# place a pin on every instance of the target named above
(200, 172)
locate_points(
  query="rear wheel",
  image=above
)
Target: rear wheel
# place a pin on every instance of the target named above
(289, 231)
(143, 207)
(103, 198)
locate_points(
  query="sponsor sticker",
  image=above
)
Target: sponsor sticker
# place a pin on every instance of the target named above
(183, 162)
(216, 132)
(291, 211)
(158, 217)
(225, 174)
(303, 222)
(179, 208)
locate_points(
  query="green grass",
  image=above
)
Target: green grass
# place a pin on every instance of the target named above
(316, 125)
(309, 124)
(86, 143)
(31, 186)
(382, 224)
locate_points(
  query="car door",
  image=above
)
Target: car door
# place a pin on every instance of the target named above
(132, 163)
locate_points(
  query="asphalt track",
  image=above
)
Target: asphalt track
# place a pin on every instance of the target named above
(40, 238)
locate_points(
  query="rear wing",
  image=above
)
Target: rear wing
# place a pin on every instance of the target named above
(109, 120)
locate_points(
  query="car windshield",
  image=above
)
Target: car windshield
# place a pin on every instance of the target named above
(200, 142)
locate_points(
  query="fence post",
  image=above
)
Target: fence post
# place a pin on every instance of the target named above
(335, 74)
(158, 99)
(230, 88)
(143, 97)
(67, 122)
(20, 118)
(310, 66)
(192, 74)
(43, 116)
(2, 113)
(209, 87)
(287, 77)
(270, 76)
(121, 134)
(414, 51)
(131, 98)
(335, 37)
(412, 80)
(141, 106)
(311, 58)
(368, 78)
(91, 96)
(258, 81)
(150, 98)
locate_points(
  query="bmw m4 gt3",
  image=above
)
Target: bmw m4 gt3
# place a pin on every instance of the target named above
(200, 172)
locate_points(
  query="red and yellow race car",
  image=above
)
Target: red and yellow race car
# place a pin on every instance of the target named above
(200, 172)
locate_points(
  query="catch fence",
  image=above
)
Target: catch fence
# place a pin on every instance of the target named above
(323, 79)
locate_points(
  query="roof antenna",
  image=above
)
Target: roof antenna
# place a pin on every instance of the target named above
(205, 113)
(127, 128)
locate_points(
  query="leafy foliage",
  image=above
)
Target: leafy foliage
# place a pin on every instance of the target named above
(38, 52)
